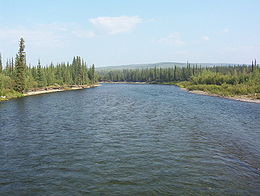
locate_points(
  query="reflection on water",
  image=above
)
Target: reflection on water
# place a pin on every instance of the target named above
(129, 139)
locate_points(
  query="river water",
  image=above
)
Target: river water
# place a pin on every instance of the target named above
(126, 139)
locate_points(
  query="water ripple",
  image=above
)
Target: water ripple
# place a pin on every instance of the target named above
(123, 139)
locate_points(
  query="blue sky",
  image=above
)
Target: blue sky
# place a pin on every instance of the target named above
(113, 32)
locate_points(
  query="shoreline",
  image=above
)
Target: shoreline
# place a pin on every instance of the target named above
(79, 87)
(51, 90)
(236, 98)
(59, 89)
(241, 98)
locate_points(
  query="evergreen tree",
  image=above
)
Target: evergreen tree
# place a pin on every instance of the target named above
(91, 74)
(20, 67)
(17, 76)
(40, 75)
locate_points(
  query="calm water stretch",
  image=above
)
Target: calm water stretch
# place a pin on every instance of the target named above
(126, 139)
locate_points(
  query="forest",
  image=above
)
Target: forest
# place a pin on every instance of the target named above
(222, 80)
(16, 77)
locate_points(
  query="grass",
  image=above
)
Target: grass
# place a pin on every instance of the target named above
(6, 94)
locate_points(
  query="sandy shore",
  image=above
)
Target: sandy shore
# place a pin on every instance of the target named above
(237, 98)
(59, 89)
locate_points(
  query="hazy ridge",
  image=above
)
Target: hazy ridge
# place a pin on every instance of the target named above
(162, 65)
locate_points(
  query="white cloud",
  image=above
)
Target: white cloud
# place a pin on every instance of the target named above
(36, 36)
(205, 38)
(115, 25)
(44, 35)
(173, 39)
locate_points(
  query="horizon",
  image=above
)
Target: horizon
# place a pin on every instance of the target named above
(111, 33)
(192, 63)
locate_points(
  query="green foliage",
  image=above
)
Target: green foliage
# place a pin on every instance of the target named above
(30, 82)
(40, 76)
(9, 94)
(227, 89)
(17, 77)
(62, 74)
(230, 84)
(20, 67)
(6, 82)
(222, 80)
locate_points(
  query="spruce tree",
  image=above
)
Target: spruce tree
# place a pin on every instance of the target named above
(40, 76)
(20, 66)
(91, 74)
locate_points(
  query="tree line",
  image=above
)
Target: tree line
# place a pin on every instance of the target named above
(17, 76)
(208, 75)
(222, 80)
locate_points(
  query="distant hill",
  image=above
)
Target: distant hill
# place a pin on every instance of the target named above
(161, 64)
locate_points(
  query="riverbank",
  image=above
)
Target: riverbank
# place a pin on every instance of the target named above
(242, 98)
(45, 90)
(197, 89)
(7, 94)
(193, 89)
(59, 89)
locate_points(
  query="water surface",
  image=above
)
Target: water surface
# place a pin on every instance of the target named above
(125, 139)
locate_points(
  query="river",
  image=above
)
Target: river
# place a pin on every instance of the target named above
(126, 139)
